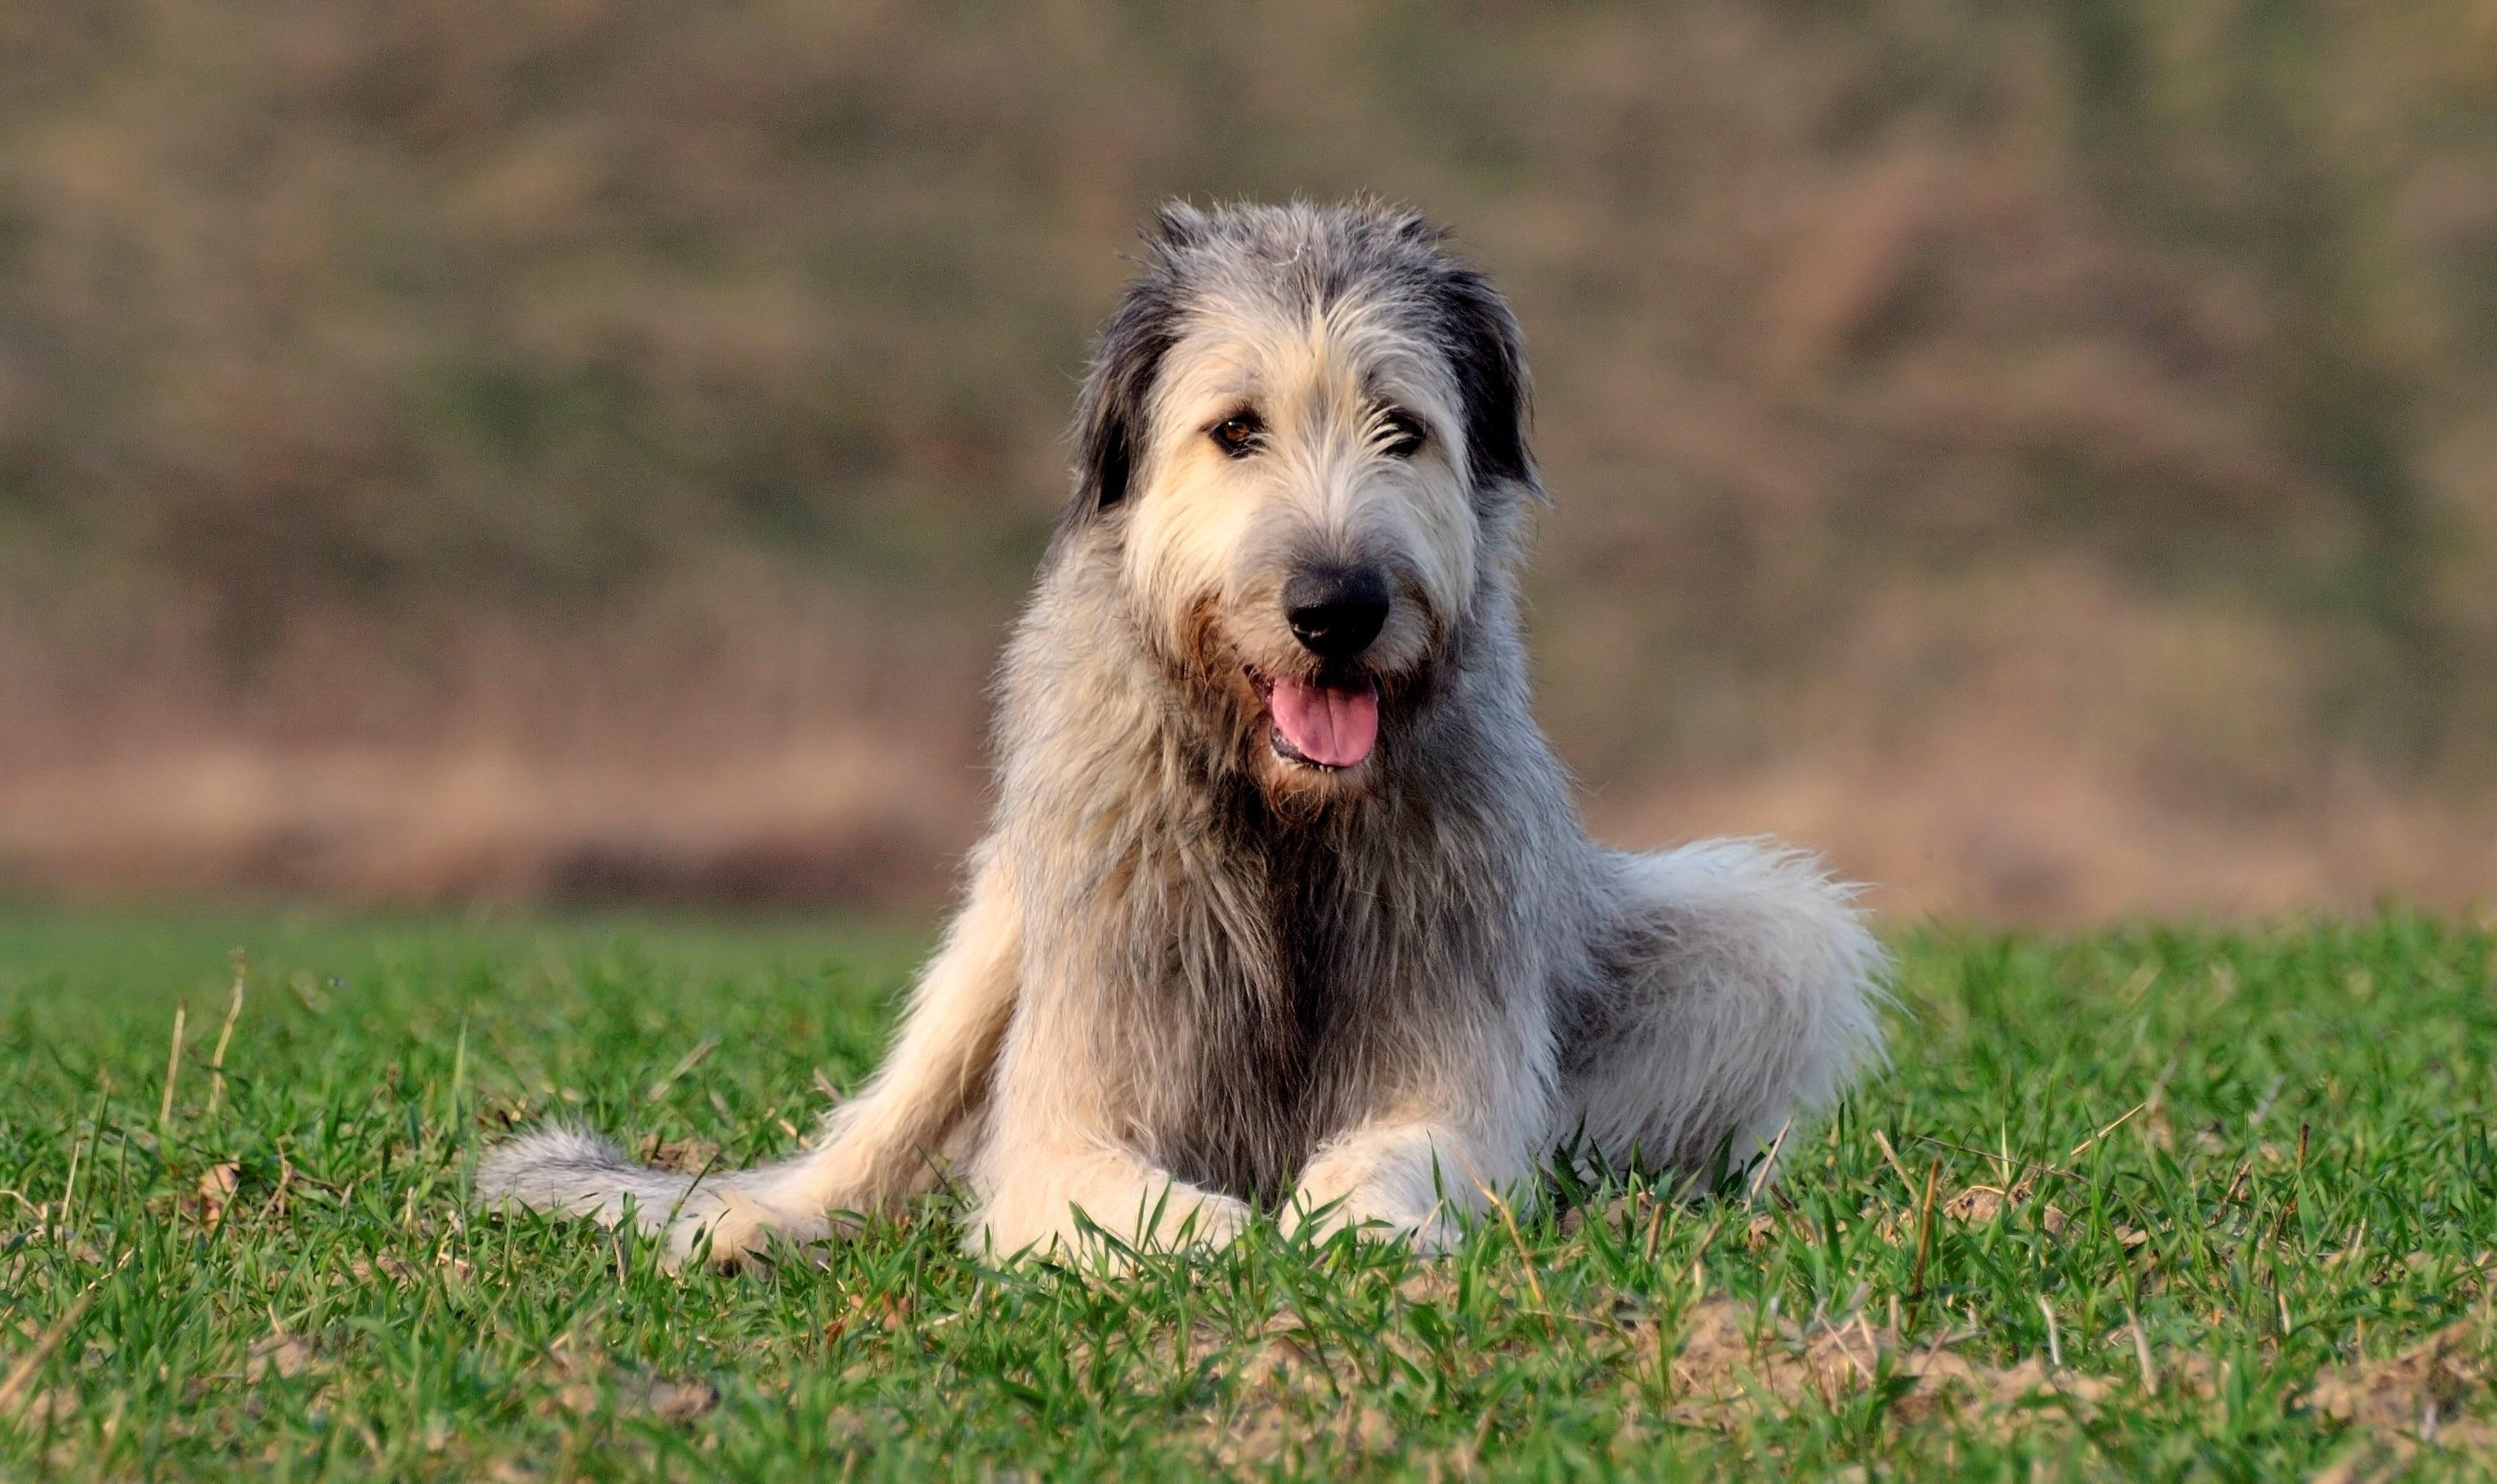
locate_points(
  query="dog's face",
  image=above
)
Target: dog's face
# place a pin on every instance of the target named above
(1305, 433)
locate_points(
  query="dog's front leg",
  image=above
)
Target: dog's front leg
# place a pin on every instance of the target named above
(882, 1144)
(879, 1147)
(1416, 1172)
(1063, 1197)
(1060, 1170)
(1411, 1179)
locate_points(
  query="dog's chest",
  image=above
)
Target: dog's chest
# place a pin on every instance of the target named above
(1273, 991)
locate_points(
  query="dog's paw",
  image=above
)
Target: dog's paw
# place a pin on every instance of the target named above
(1430, 1230)
(1039, 1226)
(730, 1230)
(1212, 1221)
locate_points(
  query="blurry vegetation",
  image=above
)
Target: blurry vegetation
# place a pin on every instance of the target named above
(2121, 367)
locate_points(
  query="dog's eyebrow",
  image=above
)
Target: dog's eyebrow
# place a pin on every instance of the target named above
(1219, 371)
(1381, 382)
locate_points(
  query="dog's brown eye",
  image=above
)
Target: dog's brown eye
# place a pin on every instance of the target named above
(1237, 434)
(1404, 434)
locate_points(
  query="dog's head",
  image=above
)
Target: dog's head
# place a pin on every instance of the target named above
(1305, 434)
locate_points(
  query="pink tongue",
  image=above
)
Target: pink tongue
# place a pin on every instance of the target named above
(1327, 724)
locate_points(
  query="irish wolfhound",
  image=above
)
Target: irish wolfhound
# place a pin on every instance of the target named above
(1286, 904)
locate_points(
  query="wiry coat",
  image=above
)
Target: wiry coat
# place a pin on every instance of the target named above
(1195, 974)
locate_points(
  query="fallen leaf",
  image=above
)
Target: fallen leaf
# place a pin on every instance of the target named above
(678, 1401)
(1975, 1205)
(1428, 1283)
(215, 1189)
(281, 1354)
(679, 1157)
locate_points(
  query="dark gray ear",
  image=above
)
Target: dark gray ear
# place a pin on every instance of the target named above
(1484, 345)
(1112, 412)
(1178, 224)
(1408, 225)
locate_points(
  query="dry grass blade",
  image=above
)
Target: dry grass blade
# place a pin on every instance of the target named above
(2056, 1169)
(2124, 1119)
(172, 1066)
(1508, 1220)
(22, 1375)
(686, 1064)
(1924, 1233)
(225, 1038)
(1769, 1161)
(1524, 1254)
(1891, 1155)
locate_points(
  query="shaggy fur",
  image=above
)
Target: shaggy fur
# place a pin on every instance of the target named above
(1196, 974)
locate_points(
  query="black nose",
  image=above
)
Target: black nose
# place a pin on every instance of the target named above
(1336, 611)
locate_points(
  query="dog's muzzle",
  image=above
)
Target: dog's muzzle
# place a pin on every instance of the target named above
(1330, 721)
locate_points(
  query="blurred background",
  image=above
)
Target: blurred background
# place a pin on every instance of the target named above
(567, 451)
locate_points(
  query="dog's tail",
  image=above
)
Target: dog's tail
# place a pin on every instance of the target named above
(570, 1172)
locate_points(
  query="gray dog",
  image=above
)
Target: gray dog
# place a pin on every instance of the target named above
(1285, 904)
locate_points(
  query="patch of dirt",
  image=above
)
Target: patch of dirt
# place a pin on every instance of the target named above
(46, 1409)
(1284, 1399)
(1727, 1362)
(578, 1372)
(669, 1399)
(677, 1399)
(2410, 1390)
(1730, 1360)
(1977, 1204)
(1430, 1282)
(2404, 1405)
(279, 1355)
(401, 1273)
(398, 1269)
(1984, 1205)
(678, 1156)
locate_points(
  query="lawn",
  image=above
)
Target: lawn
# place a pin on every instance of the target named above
(2154, 1202)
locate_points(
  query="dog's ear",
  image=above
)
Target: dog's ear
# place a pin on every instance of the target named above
(1178, 224)
(1113, 413)
(1487, 350)
(1411, 228)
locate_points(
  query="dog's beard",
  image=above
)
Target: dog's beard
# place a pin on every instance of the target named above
(1305, 734)
(1342, 733)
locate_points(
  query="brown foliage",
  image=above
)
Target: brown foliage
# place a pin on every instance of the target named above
(589, 447)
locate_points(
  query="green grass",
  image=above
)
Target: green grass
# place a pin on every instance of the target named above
(2297, 1212)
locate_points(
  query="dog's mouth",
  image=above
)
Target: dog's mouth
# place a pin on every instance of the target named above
(1329, 722)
